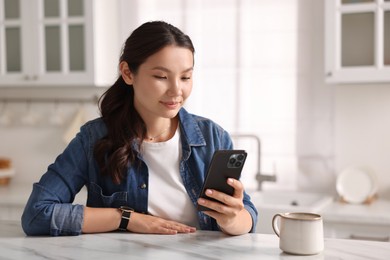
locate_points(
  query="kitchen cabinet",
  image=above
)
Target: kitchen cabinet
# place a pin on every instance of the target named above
(13, 199)
(358, 221)
(11, 212)
(58, 42)
(357, 41)
(358, 231)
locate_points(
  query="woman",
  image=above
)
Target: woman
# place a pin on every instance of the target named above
(144, 138)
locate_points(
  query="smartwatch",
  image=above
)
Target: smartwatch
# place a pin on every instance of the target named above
(126, 212)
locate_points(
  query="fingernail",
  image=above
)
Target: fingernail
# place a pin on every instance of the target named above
(209, 192)
(231, 181)
(201, 201)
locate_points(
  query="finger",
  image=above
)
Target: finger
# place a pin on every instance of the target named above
(224, 203)
(179, 227)
(219, 196)
(213, 214)
(238, 187)
(142, 223)
(167, 231)
(171, 229)
(213, 205)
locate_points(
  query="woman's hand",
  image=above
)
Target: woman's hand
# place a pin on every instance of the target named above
(229, 211)
(143, 223)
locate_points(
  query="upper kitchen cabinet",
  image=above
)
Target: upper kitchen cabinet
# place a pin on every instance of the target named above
(357, 45)
(58, 42)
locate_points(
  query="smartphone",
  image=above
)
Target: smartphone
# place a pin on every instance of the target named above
(224, 164)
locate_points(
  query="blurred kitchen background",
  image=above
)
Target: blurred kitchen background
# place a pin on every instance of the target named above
(310, 78)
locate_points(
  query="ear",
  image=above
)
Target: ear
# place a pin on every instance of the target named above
(126, 73)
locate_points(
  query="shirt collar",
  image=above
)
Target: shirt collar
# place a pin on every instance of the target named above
(190, 129)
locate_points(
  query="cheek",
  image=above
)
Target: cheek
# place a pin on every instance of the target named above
(145, 87)
(187, 91)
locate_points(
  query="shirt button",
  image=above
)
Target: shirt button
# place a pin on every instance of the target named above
(143, 186)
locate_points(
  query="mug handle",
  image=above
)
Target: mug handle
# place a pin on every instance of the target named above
(274, 224)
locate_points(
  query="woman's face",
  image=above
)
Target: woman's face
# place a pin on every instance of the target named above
(163, 82)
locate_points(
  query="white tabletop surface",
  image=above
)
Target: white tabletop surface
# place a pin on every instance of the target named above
(199, 245)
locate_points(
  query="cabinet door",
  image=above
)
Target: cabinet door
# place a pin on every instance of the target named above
(63, 56)
(11, 61)
(386, 29)
(358, 231)
(46, 42)
(357, 41)
(10, 212)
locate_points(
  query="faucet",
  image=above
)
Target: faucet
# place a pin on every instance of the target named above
(260, 177)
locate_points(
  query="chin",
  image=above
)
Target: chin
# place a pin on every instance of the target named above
(172, 114)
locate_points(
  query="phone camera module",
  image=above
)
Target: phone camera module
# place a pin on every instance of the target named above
(236, 160)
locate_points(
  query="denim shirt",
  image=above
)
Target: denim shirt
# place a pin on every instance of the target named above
(49, 210)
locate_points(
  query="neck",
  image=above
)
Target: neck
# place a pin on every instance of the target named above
(160, 131)
(155, 137)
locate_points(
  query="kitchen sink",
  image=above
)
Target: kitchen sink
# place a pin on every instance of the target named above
(269, 203)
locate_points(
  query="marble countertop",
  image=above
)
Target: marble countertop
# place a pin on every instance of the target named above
(199, 245)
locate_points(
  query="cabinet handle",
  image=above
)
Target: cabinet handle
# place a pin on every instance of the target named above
(30, 77)
(329, 74)
(381, 239)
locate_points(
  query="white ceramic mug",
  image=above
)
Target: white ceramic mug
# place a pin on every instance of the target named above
(299, 233)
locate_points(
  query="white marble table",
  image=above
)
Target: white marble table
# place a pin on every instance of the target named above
(200, 245)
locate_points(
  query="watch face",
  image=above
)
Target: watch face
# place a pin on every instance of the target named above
(125, 208)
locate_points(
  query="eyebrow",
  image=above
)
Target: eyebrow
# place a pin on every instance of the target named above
(167, 70)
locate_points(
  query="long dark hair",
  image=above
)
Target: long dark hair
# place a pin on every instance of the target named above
(115, 152)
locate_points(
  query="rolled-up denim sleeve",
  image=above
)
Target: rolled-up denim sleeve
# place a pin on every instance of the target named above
(45, 215)
(49, 209)
(252, 211)
(67, 219)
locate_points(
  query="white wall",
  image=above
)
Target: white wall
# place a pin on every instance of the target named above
(315, 104)
(33, 147)
(362, 130)
(338, 125)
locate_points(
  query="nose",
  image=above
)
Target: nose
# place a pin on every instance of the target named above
(175, 88)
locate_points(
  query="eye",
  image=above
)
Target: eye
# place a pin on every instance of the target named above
(186, 78)
(159, 77)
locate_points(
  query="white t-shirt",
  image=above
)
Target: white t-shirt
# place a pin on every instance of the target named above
(167, 196)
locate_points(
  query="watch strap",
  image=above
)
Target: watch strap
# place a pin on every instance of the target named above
(124, 220)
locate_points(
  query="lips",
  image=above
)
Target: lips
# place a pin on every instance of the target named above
(171, 104)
